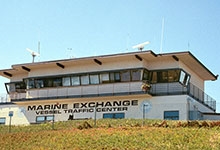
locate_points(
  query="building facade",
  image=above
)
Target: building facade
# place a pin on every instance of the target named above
(127, 85)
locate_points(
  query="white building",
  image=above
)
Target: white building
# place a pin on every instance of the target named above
(109, 86)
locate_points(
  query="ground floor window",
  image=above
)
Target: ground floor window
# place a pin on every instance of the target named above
(114, 115)
(40, 119)
(2, 120)
(171, 115)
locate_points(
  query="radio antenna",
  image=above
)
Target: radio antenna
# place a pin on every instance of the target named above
(161, 38)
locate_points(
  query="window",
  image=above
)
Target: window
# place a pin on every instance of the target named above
(135, 75)
(16, 87)
(39, 83)
(75, 80)
(154, 77)
(2, 120)
(184, 78)
(173, 75)
(94, 79)
(30, 83)
(57, 82)
(171, 115)
(114, 115)
(145, 75)
(66, 81)
(115, 77)
(104, 77)
(162, 76)
(125, 75)
(85, 79)
(41, 119)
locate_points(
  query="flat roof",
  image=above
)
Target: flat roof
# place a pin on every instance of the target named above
(186, 57)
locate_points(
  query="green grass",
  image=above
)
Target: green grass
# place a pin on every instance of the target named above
(113, 134)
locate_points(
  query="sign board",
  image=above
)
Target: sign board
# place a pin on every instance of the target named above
(10, 114)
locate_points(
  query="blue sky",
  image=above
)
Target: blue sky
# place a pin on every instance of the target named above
(96, 27)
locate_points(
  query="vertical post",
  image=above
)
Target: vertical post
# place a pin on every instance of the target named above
(95, 116)
(10, 125)
(10, 114)
(53, 119)
(143, 114)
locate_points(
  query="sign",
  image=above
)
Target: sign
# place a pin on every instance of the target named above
(10, 114)
(83, 107)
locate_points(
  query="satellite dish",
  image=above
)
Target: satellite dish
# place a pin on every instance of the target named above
(141, 46)
(33, 53)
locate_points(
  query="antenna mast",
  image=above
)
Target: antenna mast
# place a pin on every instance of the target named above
(161, 38)
(39, 49)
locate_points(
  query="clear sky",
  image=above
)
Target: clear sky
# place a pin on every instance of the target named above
(96, 27)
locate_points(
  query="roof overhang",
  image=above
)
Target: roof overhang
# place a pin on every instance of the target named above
(185, 57)
(193, 63)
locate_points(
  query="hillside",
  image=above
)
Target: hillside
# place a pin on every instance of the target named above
(113, 134)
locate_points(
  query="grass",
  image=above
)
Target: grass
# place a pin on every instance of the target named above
(113, 134)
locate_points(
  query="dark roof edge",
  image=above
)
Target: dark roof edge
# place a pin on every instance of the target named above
(188, 52)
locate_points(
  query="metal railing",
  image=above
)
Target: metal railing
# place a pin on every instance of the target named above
(125, 88)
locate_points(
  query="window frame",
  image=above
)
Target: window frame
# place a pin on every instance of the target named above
(4, 120)
(168, 115)
(113, 115)
(44, 118)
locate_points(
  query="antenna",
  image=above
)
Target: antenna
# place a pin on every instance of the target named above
(141, 46)
(161, 38)
(39, 49)
(34, 54)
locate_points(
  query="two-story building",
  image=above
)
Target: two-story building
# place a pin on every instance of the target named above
(138, 84)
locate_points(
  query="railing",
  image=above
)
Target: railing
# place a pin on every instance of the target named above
(178, 89)
(80, 91)
(201, 96)
(4, 98)
(125, 88)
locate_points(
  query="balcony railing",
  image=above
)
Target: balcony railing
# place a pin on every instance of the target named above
(125, 88)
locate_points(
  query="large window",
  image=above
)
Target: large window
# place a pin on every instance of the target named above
(16, 87)
(85, 79)
(2, 120)
(94, 79)
(171, 115)
(136, 75)
(162, 76)
(145, 75)
(173, 75)
(184, 78)
(125, 75)
(114, 115)
(41, 119)
(66, 81)
(113, 76)
(168, 76)
(104, 78)
(75, 80)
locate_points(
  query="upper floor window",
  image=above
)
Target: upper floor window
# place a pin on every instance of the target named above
(168, 76)
(75, 80)
(104, 78)
(16, 87)
(66, 81)
(125, 75)
(85, 79)
(136, 75)
(94, 79)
